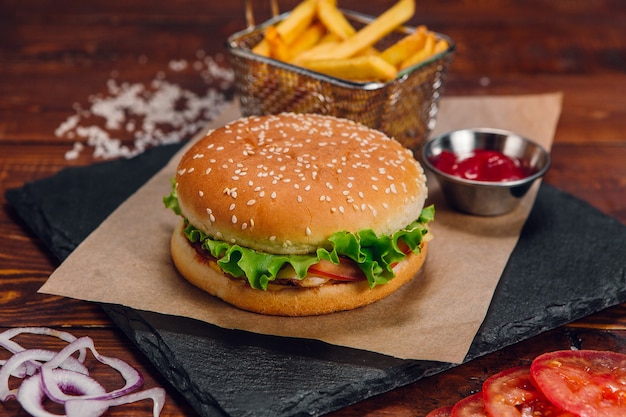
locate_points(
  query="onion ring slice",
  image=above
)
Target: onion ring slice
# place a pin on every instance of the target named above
(132, 377)
(31, 393)
(62, 377)
(87, 408)
(29, 368)
(18, 360)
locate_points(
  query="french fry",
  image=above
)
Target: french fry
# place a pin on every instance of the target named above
(297, 21)
(405, 47)
(422, 54)
(392, 18)
(441, 46)
(317, 35)
(307, 39)
(262, 48)
(334, 21)
(322, 50)
(362, 68)
(329, 37)
(278, 48)
(294, 24)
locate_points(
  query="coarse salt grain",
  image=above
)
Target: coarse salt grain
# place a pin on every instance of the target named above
(156, 113)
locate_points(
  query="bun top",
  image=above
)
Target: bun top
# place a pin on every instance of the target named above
(285, 183)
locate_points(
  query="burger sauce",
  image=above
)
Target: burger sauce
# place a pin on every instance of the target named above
(480, 165)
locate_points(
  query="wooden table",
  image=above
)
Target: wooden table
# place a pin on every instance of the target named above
(54, 54)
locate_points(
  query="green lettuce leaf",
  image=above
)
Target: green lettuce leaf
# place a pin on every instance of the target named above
(374, 255)
(171, 201)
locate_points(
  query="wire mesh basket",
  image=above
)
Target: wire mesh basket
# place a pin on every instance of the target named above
(404, 108)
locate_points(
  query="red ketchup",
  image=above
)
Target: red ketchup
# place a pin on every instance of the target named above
(480, 165)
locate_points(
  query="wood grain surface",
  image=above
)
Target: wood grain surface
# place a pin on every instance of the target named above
(58, 54)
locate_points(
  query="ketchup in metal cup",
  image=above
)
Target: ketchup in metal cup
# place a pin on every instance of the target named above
(480, 165)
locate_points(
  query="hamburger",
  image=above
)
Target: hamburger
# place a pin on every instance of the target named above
(299, 214)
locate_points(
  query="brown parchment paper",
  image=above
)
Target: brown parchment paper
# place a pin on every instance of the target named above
(435, 317)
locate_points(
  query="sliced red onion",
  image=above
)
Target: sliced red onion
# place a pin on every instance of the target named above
(87, 408)
(28, 368)
(18, 360)
(132, 377)
(63, 378)
(31, 394)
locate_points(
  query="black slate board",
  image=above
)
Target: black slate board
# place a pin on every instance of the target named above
(570, 261)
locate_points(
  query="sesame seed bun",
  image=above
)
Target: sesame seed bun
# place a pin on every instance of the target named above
(283, 184)
(280, 300)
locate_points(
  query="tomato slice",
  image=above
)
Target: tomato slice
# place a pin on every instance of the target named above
(471, 406)
(441, 412)
(511, 393)
(588, 383)
(345, 271)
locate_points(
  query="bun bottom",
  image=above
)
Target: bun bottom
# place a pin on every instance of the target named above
(287, 301)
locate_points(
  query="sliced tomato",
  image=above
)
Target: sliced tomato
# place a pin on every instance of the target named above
(588, 383)
(445, 411)
(346, 270)
(471, 406)
(511, 393)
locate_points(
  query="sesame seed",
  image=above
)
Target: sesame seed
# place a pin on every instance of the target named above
(308, 231)
(232, 206)
(201, 193)
(273, 195)
(251, 202)
(234, 219)
(231, 192)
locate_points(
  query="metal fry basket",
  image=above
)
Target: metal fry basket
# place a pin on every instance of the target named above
(404, 108)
